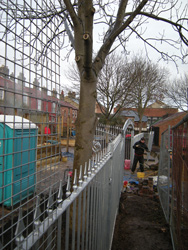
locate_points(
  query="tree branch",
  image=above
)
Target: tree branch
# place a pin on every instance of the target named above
(88, 36)
(72, 13)
(114, 34)
(177, 25)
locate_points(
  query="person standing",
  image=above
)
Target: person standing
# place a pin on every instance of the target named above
(139, 148)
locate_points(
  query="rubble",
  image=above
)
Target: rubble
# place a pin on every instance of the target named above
(146, 186)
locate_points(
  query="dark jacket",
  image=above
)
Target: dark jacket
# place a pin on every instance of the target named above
(140, 147)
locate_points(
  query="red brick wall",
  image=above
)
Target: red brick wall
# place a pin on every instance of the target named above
(156, 112)
(159, 112)
(164, 125)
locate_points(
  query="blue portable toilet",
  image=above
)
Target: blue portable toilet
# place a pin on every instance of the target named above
(18, 147)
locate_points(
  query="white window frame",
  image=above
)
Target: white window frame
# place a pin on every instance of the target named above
(39, 104)
(2, 94)
(25, 99)
(53, 107)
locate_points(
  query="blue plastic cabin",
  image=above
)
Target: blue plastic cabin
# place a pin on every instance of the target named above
(18, 148)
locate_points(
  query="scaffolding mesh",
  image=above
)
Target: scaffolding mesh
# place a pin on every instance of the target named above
(31, 112)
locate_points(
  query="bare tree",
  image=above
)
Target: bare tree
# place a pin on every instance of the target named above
(4, 71)
(149, 84)
(114, 86)
(72, 74)
(177, 92)
(119, 20)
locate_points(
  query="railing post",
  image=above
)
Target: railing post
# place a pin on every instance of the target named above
(59, 207)
(68, 193)
(75, 187)
(19, 230)
(37, 221)
(50, 217)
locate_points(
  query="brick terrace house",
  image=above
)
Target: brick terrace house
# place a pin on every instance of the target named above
(99, 109)
(71, 98)
(162, 125)
(40, 105)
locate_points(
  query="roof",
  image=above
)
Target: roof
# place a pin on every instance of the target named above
(160, 112)
(68, 105)
(131, 113)
(72, 100)
(169, 118)
(17, 122)
(158, 104)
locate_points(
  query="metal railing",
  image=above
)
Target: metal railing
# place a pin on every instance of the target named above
(61, 219)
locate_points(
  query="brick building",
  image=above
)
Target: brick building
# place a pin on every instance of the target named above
(35, 103)
(71, 98)
(158, 110)
(152, 113)
(162, 125)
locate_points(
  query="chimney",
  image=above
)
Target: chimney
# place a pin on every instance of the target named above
(54, 93)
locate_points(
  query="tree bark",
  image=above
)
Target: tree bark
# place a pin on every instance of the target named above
(86, 122)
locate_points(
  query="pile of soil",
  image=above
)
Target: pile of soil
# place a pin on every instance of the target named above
(141, 224)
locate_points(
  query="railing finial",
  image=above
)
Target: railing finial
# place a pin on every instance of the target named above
(80, 177)
(75, 181)
(50, 203)
(93, 166)
(37, 214)
(85, 172)
(89, 168)
(68, 192)
(60, 194)
(19, 229)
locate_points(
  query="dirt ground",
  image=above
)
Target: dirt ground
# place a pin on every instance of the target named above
(141, 224)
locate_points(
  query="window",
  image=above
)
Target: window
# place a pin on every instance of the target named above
(2, 95)
(25, 99)
(39, 105)
(53, 107)
(53, 119)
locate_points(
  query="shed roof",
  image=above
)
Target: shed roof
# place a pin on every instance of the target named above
(131, 113)
(168, 119)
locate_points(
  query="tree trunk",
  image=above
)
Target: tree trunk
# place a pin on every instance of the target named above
(140, 122)
(140, 126)
(86, 122)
